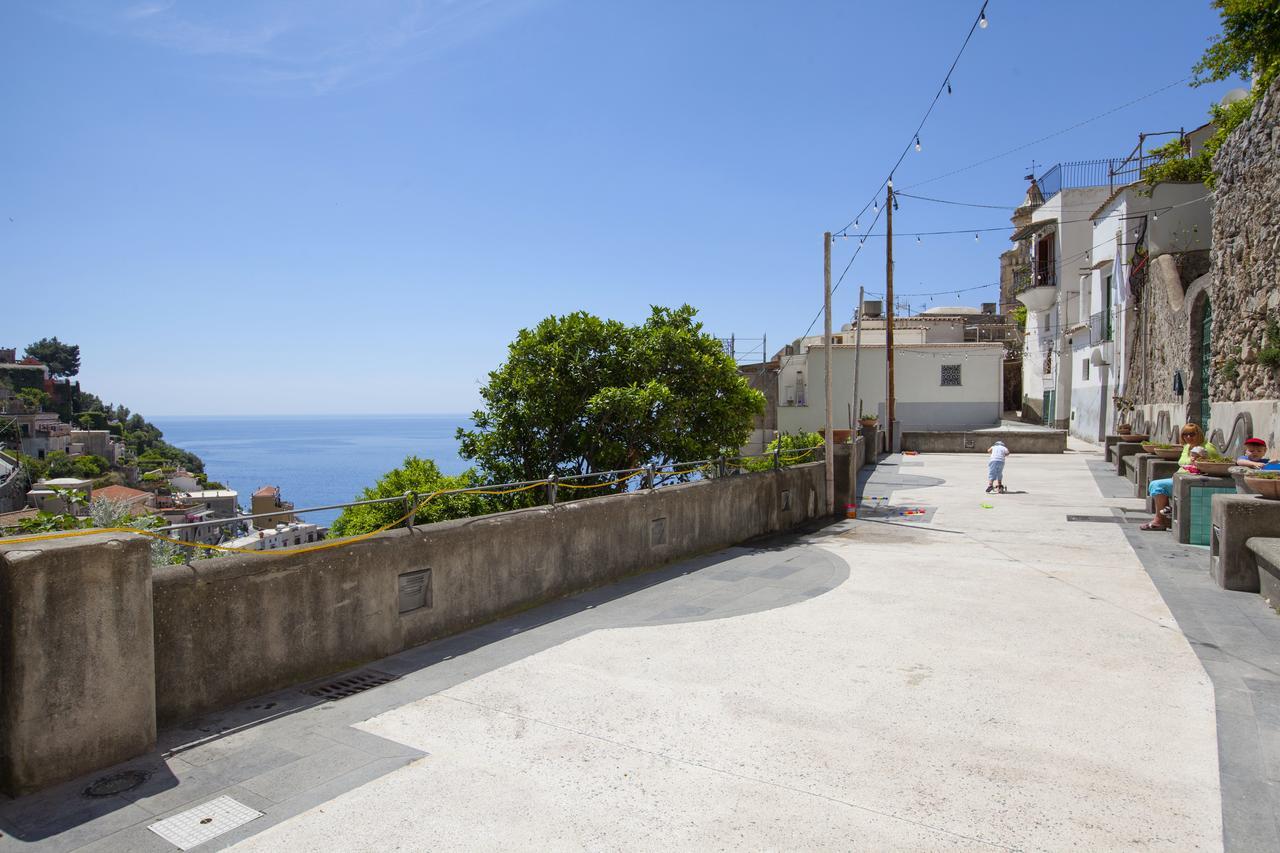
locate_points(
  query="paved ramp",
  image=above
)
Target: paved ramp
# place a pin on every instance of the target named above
(985, 676)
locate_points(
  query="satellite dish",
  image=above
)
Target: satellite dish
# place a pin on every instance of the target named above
(1233, 96)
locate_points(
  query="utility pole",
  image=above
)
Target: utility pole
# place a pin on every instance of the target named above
(857, 356)
(828, 442)
(888, 301)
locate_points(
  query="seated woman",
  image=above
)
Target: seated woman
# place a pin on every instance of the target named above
(1161, 491)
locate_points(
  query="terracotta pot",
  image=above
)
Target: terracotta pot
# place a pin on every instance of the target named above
(1215, 469)
(1269, 489)
(1149, 448)
(867, 422)
(1172, 454)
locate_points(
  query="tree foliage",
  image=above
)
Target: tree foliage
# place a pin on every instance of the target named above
(35, 397)
(416, 475)
(580, 394)
(61, 359)
(1249, 44)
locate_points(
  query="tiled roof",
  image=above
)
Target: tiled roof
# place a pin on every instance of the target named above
(120, 493)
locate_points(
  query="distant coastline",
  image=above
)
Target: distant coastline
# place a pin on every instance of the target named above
(316, 460)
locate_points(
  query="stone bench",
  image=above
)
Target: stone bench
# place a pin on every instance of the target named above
(1266, 557)
(1123, 449)
(1133, 464)
(1153, 468)
(1236, 520)
(1109, 443)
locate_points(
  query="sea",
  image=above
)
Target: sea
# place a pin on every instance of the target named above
(316, 460)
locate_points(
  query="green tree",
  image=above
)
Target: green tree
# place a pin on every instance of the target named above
(415, 475)
(1249, 44)
(61, 359)
(35, 397)
(580, 394)
(60, 464)
(90, 466)
(792, 449)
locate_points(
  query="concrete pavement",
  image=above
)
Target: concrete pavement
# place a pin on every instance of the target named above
(987, 675)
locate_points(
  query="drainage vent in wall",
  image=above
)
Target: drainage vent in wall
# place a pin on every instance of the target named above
(414, 589)
(350, 685)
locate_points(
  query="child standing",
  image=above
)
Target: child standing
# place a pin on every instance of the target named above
(995, 467)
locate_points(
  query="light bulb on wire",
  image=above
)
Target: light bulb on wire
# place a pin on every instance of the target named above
(975, 237)
(917, 143)
(982, 19)
(948, 87)
(917, 239)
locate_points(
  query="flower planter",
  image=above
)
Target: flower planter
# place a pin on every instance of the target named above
(1264, 486)
(1216, 469)
(1172, 454)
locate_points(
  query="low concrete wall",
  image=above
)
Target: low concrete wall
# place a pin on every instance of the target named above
(76, 689)
(238, 626)
(1018, 441)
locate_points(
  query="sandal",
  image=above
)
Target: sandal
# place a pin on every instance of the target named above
(1150, 526)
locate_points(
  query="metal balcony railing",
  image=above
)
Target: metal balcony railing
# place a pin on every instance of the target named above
(1100, 327)
(1027, 279)
(1111, 172)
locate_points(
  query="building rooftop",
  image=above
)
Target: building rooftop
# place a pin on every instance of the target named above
(121, 493)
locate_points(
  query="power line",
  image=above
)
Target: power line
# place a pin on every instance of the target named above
(914, 141)
(1047, 137)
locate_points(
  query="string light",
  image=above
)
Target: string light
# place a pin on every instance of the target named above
(918, 240)
(948, 87)
(982, 19)
(917, 143)
(975, 237)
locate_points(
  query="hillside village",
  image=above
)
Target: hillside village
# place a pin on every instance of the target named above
(68, 461)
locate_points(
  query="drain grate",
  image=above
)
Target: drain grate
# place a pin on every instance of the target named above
(1103, 519)
(116, 783)
(350, 685)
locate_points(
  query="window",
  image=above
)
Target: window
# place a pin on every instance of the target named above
(950, 374)
(1084, 368)
(1106, 309)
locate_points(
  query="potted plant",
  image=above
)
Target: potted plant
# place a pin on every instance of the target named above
(1265, 483)
(1215, 465)
(867, 421)
(1124, 408)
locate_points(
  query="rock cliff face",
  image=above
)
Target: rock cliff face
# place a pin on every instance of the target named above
(1246, 255)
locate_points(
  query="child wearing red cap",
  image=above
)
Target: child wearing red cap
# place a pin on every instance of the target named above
(1254, 453)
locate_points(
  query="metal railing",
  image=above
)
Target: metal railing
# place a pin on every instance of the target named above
(647, 477)
(1100, 328)
(1026, 279)
(1111, 173)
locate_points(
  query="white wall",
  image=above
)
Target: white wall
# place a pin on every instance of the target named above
(922, 402)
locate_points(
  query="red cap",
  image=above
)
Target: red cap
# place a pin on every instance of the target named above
(1257, 442)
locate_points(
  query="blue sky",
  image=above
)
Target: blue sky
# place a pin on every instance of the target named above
(304, 206)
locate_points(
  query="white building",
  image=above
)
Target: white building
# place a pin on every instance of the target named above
(1172, 218)
(1083, 220)
(936, 386)
(223, 502)
(281, 536)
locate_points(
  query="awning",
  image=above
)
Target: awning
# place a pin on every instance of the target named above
(1028, 230)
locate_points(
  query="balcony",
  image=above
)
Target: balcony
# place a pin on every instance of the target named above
(1112, 172)
(1100, 328)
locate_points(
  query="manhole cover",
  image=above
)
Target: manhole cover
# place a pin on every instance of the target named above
(350, 685)
(116, 783)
